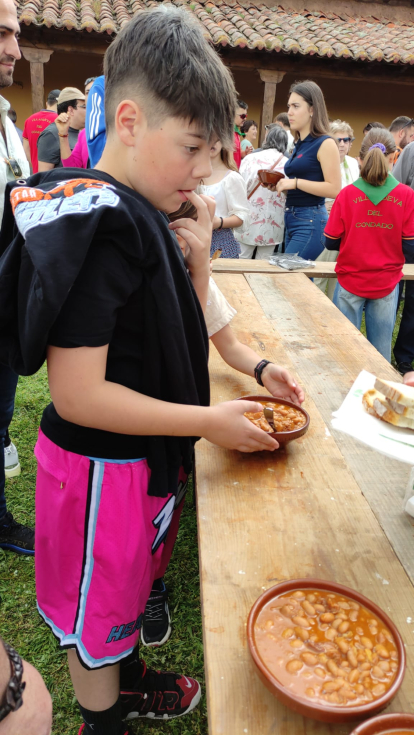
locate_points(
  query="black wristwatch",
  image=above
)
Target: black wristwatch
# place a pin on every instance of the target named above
(259, 369)
(13, 696)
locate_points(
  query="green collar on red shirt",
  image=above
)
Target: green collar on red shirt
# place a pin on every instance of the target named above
(376, 194)
(239, 132)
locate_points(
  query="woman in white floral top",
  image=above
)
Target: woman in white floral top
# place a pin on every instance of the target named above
(267, 208)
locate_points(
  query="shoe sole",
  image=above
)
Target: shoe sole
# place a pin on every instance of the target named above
(13, 471)
(157, 644)
(16, 549)
(153, 716)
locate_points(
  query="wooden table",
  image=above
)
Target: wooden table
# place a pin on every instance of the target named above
(321, 270)
(325, 506)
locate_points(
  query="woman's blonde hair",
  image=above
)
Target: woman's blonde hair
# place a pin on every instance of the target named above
(374, 167)
(339, 126)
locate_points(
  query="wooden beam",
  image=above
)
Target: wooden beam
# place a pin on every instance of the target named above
(37, 58)
(270, 78)
(368, 71)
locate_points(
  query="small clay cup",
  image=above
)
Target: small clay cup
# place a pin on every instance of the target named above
(283, 437)
(269, 177)
(386, 724)
(322, 712)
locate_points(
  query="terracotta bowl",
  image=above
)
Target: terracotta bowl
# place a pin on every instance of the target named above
(395, 721)
(269, 177)
(283, 437)
(324, 713)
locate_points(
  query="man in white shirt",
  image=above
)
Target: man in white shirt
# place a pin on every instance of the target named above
(13, 165)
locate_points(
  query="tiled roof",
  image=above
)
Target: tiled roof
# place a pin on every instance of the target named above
(250, 26)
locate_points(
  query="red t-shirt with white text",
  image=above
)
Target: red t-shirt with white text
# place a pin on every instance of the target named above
(370, 259)
(34, 125)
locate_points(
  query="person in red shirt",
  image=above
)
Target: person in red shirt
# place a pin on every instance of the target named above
(35, 124)
(372, 225)
(239, 118)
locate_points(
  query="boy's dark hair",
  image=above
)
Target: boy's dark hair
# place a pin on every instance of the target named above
(400, 122)
(283, 118)
(242, 104)
(64, 106)
(162, 57)
(247, 125)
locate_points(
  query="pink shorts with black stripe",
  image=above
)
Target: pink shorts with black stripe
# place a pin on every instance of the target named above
(101, 540)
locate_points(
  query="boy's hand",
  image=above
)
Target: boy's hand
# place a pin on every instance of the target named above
(197, 233)
(62, 123)
(229, 428)
(280, 384)
(408, 378)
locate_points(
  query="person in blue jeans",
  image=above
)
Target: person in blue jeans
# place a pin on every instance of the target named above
(311, 173)
(372, 225)
(13, 536)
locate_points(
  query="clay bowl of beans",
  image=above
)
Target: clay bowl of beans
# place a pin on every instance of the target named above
(269, 177)
(392, 724)
(325, 651)
(290, 421)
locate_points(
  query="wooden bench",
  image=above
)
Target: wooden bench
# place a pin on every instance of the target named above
(325, 506)
(321, 270)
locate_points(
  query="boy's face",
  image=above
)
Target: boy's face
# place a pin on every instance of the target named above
(163, 162)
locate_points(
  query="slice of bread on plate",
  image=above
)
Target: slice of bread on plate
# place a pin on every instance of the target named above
(400, 409)
(376, 404)
(398, 392)
(368, 402)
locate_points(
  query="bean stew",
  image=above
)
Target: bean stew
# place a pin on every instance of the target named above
(326, 648)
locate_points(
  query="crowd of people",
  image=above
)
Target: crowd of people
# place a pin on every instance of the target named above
(171, 177)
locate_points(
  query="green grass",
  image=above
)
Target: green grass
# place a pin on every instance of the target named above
(20, 623)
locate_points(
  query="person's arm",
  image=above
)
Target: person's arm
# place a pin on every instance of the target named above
(328, 157)
(34, 717)
(26, 149)
(62, 123)
(197, 235)
(237, 202)
(82, 395)
(239, 356)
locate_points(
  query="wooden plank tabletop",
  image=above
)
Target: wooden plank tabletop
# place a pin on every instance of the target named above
(298, 512)
(321, 270)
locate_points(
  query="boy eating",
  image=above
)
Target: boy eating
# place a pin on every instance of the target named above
(106, 293)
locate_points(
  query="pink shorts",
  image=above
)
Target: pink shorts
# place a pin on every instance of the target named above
(101, 540)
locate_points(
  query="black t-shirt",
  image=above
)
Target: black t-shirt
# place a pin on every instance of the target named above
(130, 291)
(105, 306)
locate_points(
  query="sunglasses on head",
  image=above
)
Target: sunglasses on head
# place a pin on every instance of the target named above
(345, 140)
(14, 167)
(408, 124)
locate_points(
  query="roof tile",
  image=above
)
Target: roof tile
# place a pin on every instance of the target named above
(252, 26)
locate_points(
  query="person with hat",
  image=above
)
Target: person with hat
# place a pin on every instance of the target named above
(35, 125)
(72, 101)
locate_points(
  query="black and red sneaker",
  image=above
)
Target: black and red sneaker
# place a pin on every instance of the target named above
(160, 695)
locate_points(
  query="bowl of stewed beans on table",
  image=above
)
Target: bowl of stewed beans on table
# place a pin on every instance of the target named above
(325, 651)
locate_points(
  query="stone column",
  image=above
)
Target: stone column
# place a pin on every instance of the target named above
(37, 58)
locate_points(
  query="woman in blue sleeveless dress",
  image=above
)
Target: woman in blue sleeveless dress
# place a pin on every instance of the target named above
(312, 171)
